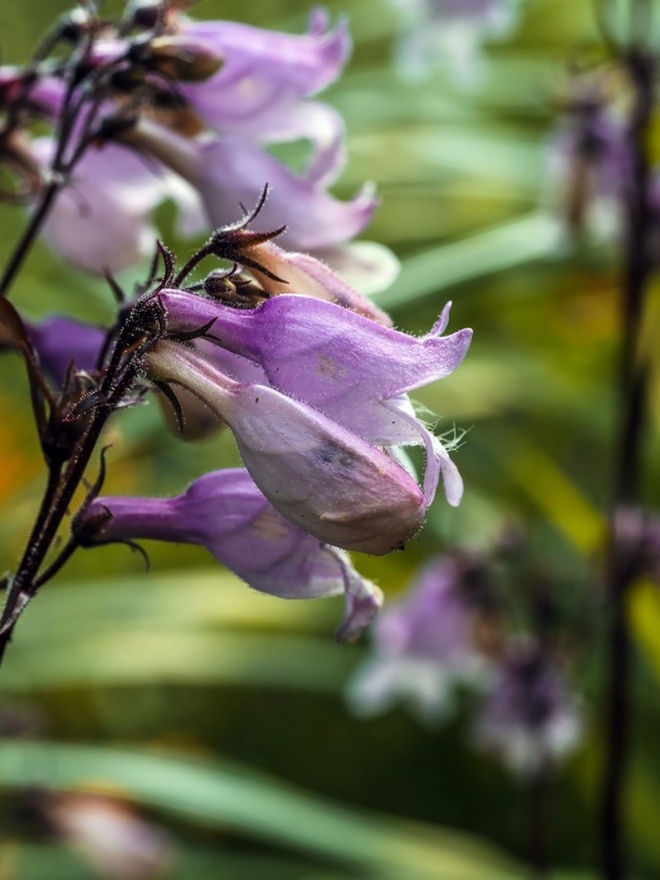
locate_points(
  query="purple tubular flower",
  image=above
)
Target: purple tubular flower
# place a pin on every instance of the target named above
(102, 220)
(424, 645)
(259, 92)
(61, 342)
(232, 170)
(322, 477)
(529, 717)
(350, 368)
(226, 513)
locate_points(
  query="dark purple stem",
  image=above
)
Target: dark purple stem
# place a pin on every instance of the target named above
(632, 394)
(55, 505)
(29, 235)
(537, 818)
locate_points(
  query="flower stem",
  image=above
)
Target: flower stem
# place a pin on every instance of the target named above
(537, 804)
(29, 236)
(632, 393)
(55, 505)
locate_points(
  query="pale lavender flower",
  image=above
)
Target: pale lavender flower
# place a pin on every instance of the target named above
(423, 646)
(450, 33)
(261, 89)
(102, 219)
(62, 342)
(321, 476)
(226, 513)
(352, 369)
(530, 718)
(231, 170)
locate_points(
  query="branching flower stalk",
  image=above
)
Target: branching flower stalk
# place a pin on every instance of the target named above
(304, 370)
(63, 482)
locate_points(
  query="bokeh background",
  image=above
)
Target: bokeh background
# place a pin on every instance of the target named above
(218, 713)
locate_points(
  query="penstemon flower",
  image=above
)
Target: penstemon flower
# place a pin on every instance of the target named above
(103, 220)
(348, 367)
(192, 105)
(226, 513)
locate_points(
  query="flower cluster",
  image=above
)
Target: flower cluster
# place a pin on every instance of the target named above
(448, 631)
(308, 374)
(171, 108)
(315, 393)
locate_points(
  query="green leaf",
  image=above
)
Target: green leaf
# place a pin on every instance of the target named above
(522, 240)
(146, 656)
(225, 795)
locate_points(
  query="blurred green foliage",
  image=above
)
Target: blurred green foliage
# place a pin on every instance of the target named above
(230, 701)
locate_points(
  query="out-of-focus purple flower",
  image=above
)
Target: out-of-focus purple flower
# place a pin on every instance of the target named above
(61, 342)
(352, 369)
(117, 842)
(102, 219)
(231, 170)
(449, 32)
(529, 717)
(322, 477)
(590, 170)
(226, 513)
(261, 88)
(424, 645)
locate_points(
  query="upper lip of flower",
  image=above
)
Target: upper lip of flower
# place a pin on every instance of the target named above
(352, 369)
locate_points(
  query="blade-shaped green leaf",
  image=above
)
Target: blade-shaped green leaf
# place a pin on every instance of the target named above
(511, 244)
(228, 796)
